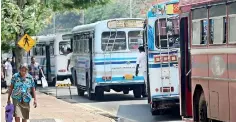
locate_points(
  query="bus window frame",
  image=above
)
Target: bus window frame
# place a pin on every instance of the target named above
(64, 41)
(199, 19)
(129, 38)
(124, 38)
(231, 14)
(213, 17)
(230, 42)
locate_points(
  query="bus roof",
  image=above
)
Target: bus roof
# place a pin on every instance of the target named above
(89, 27)
(183, 3)
(52, 37)
(164, 8)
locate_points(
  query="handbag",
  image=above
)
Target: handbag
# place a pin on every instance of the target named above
(44, 81)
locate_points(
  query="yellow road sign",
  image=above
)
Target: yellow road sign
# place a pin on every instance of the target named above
(26, 42)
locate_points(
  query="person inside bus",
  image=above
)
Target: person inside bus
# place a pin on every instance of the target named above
(142, 62)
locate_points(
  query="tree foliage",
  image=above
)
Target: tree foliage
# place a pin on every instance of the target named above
(64, 21)
(30, 16)
(116, 9)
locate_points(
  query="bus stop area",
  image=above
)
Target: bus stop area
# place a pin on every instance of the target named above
(51, 109)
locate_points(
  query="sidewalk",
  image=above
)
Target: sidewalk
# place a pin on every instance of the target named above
(51, 109)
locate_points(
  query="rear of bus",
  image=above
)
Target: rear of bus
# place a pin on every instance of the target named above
(163, 44)
(115, 60)
(62, 43)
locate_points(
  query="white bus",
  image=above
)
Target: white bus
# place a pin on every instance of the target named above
(162, 32)
(58, 55)
(105, 55)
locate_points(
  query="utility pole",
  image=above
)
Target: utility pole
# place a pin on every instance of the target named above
(83, 17)
(54, 23)
(130, 8)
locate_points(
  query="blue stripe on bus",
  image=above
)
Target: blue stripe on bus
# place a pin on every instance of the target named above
(116, 62)
(133, 62)
(120, 79)
(114, 59)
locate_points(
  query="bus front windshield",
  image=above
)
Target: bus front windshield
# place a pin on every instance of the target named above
(63, 46)
(135, 40)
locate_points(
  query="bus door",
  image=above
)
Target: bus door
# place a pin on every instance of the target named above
(185, 70)
(90, 63)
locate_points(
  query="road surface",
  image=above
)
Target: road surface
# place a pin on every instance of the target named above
(121, 105)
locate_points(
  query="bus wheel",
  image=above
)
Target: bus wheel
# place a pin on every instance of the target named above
(202, 109)
(53, 83)
(137, 92)
(80, 92)
(126, 91)
(99, 93)
(155, 112)
(91, 96)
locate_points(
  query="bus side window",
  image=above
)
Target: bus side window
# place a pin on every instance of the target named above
(217, 24)
(232, 23)
(196, 33)
(199, 26)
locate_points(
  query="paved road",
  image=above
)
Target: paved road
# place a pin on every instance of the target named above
(116, 103)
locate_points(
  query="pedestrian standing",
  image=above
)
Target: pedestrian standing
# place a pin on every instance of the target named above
(142, 63)
(3, 82)
(70, 65)
(34, 69)
(21, 85)
(8, 72)
(13, 64)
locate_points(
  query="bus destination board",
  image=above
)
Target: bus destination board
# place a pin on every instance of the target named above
(125, 24)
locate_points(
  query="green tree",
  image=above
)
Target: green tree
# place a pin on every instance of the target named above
(117, 9)
(64, 21)
(30, 16)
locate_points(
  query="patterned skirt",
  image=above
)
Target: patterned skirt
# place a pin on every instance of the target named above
(22, 109)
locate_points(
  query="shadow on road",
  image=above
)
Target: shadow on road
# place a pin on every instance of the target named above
(63, 93)
(136, 111)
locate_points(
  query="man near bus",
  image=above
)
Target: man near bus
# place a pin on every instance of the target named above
(69, 64)
(34, 69)
(142, 62)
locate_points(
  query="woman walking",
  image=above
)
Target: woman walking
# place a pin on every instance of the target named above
(21, 85)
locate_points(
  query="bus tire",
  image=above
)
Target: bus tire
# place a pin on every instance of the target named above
(91, 96)
(53, 83)
(155, 112)
(99, 93)
(137, 92)
(202, 109)
(125, 91)
(80, 92)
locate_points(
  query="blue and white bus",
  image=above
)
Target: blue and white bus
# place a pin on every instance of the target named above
(162, 34)
(104, 57)
(58, 55)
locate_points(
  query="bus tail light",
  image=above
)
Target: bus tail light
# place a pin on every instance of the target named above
(165, 59)
(167, 89)
(106, 77)
(156, 89)
(173, 58)
(62, 70)
(157, 59)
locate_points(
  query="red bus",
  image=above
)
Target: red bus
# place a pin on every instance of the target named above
(208, 60)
